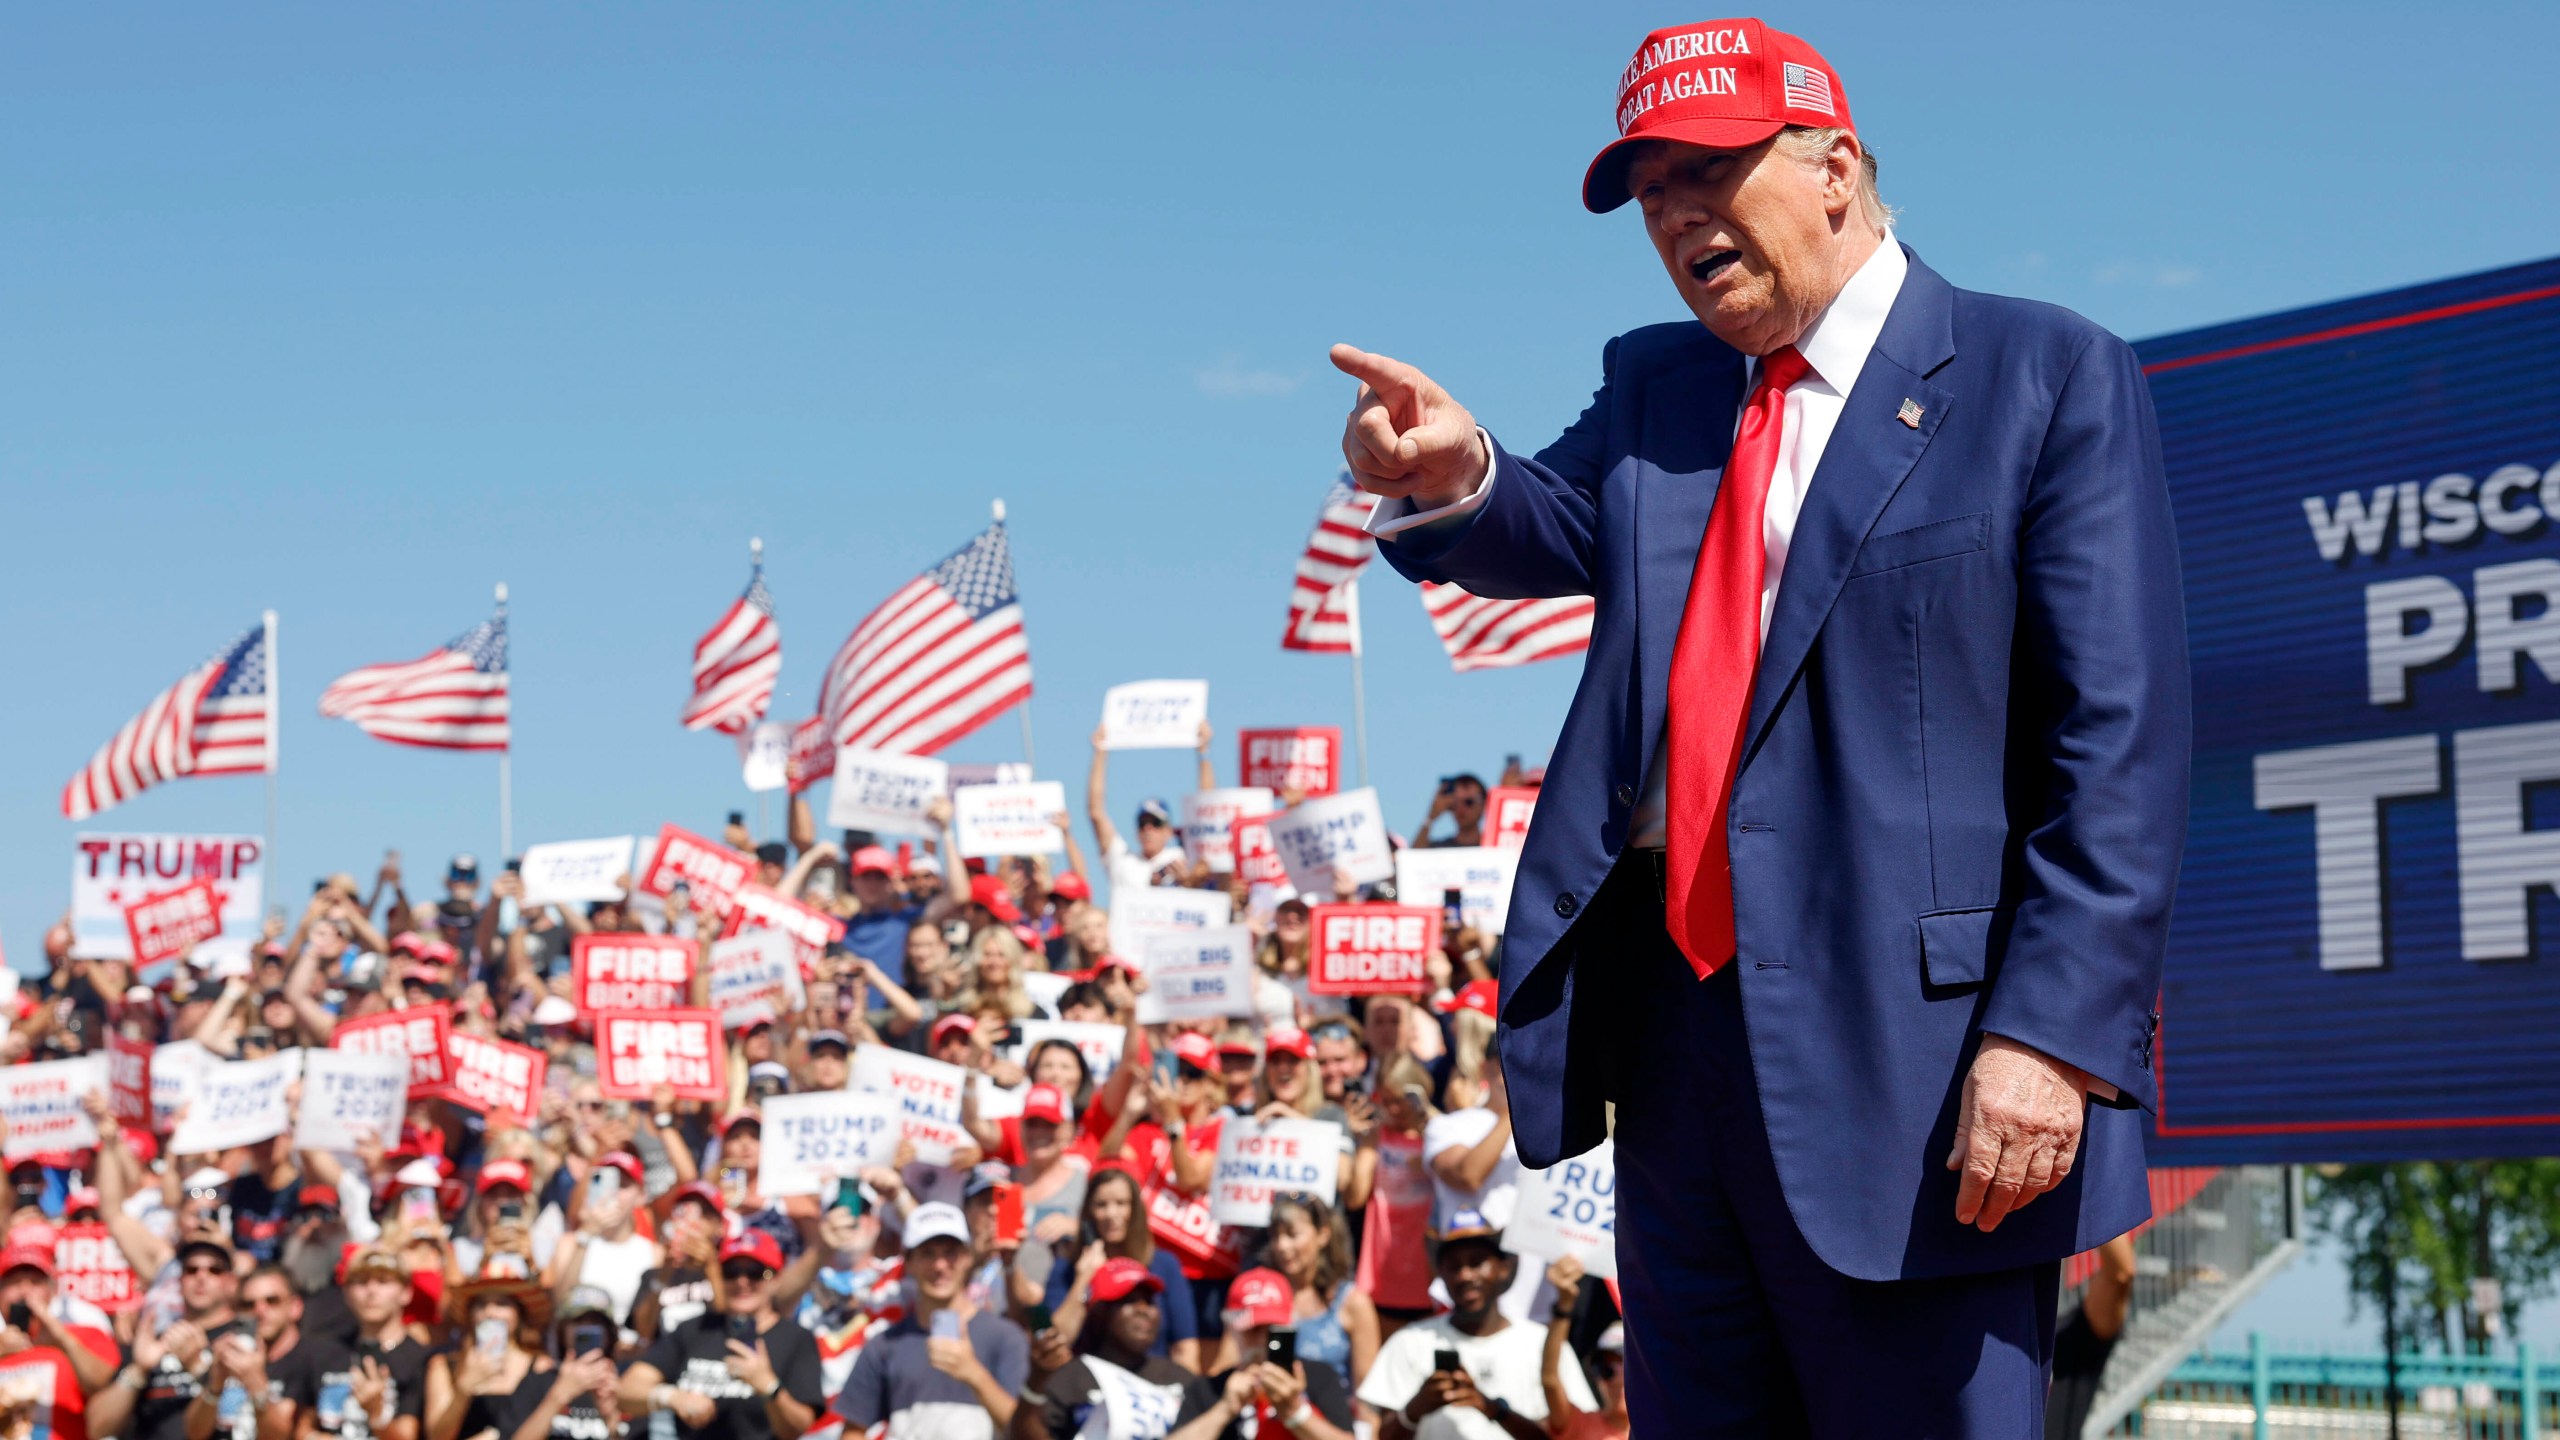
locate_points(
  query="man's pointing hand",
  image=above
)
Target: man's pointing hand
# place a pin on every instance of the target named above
(1406, 437)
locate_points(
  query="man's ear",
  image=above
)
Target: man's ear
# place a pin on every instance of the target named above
(1841, 175)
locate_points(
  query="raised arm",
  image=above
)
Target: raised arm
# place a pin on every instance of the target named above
(1097, 797)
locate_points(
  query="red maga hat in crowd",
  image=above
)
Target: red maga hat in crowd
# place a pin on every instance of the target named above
(1193, 1048)
(752, 1245)
(1482, 996)
(1725, 83)
(1071, 886)
(1045, 1102)
(989, 890)
(1260, 1297)
(1287, 1040)
(1120, 1277)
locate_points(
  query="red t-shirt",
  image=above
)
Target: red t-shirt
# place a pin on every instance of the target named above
(63, 1412)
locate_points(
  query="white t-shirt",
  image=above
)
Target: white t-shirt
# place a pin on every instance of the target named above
(1130, 870)
(1504, 1365)
(1461, 1130)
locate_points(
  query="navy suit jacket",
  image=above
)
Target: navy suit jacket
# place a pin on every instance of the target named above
(1963, 787)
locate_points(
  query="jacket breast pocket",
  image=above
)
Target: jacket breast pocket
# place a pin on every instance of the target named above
(1937, 540)
(1955, 945)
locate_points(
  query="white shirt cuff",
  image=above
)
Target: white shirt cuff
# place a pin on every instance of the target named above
(1395, 514)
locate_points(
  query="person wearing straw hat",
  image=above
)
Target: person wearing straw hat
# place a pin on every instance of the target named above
(1849, 882)
(473, 1388)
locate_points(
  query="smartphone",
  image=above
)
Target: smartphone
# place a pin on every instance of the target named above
(848, 1198)
(1009, 1226)
(490, 1335)
(511, 1210)
(369, 1349)
(1446, 1362)
(1281, 1348)
(604, 1183)
(516, 866)
(733, 1175)
(588, 1337)
(946, 1324)
(418, 1205)
(1036, 1318)
(1453, 904)
(740, 1328)
(737, 817)
(21, 1318)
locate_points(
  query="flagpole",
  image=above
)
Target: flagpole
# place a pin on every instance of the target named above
(506, 785)
(755, 570)
(275, 730)
(1026, 704)
(1359, 693)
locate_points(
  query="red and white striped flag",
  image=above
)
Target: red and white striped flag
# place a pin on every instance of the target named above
(1482, 634)
(1324, 607)
(217, 720)
(735, 665)
(451, 698)
(938, 659)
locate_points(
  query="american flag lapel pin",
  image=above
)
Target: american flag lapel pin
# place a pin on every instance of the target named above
(1910, 413)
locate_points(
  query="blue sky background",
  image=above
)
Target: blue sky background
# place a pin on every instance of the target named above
(350, 313)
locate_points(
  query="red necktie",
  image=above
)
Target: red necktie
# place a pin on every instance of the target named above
(1712, 665)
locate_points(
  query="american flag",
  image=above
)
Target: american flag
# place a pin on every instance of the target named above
(938, 659)
(1482, 634)
(1808, 89)
(735, 665)
(451, 698)
(214, 721)
(1324, 606)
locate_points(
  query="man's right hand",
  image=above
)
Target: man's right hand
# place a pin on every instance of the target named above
(1406, 437)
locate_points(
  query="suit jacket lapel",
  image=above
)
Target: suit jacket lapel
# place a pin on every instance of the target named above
(1870, 452)
(1688, 432)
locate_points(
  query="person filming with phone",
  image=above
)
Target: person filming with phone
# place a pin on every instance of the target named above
(1109, 1385)
(1271, 1394)
(605, 1248)
(473, 1388)
(741, 1371)
(578, 1399)
(1472, 1374)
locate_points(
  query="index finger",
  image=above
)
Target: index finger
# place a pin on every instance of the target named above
(1380, 372)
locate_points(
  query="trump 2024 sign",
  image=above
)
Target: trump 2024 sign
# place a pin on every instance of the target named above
(2365, 961)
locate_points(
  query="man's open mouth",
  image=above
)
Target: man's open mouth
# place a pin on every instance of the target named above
(1708, 266)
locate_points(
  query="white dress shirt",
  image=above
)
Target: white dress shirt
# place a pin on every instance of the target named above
(1836, 347)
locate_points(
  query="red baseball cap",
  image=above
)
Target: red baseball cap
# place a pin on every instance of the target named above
(697, 1190)
(1724, 83)
(989, 890)
(624, 1161)
(505, 1172)
(1287, 1040)
(949, 1025)
(752, 1245)
(1120, 1277)
(1260, 1297)
(873, 858)
(1045, 1102)
(1239, 1045)
(743, 1115)
(1071, 886)
(1193, 1048)
(1482, 996)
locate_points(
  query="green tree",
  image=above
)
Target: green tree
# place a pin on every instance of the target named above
(2415, 1235)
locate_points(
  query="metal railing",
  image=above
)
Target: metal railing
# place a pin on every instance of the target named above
(2299, 1396)
(2192, 1269)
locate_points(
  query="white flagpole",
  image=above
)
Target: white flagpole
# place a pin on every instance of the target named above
(755, 563)
(506, 786)
(1026, 705)
(1359, 694)
(275, 730)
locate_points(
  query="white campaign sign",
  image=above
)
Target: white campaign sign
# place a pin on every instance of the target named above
(755, 975)
(576, 871)
(43, 1104)
(1154, 714)
(1198, 975)
(809, 1139)
(874, 790)
(348, 1095)
(996, 1102)
(174, 1068)
(1157, 909)
(1481, 874)
(994, 820)
(1044, 987)
(1344, 831)
(1099, 1044)
(1258, 1159)
(1569, 1208)
(764, 756)
(1209, 818)
(926, 1092)
(109, 872)
(239, 1103)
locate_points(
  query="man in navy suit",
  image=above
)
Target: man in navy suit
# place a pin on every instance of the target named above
(1852, 869)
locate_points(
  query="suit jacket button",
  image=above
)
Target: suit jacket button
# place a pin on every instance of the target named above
(1566, 905)
(1626, 794)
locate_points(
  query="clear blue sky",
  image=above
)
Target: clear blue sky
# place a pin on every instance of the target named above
(352, 312)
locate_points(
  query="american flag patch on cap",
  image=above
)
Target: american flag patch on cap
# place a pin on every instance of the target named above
(1808, 89)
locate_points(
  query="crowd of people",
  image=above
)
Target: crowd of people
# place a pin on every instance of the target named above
(608, 1267)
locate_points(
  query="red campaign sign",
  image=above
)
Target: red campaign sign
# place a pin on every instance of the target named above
(1506, 815)
(166, 925)
(495, 1077)
(129, 1080)
(629, 972)
(1306, 757)
(1181, 1223)
(813, 754)
(1257, 859)
(423, 1033)
(759, 908)
(713, 870)
(89, 1265)
(1371, 949)
(638, 1051)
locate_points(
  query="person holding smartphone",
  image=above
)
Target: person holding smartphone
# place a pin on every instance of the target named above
(577, 1399)
(1108, 1385)
(473, 1388)
(1271, 1394)
(169, 1366)
(740, 1372)
(62, 1361)
(1474, 1373)
(934, 1371)
(606, 1249)
(375, 1389)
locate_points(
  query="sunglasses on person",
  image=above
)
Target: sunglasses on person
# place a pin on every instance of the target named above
(1605, 1366)
(744, 1272)
(209, 1267)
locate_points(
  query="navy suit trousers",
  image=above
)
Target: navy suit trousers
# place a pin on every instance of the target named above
(1734, 1326)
